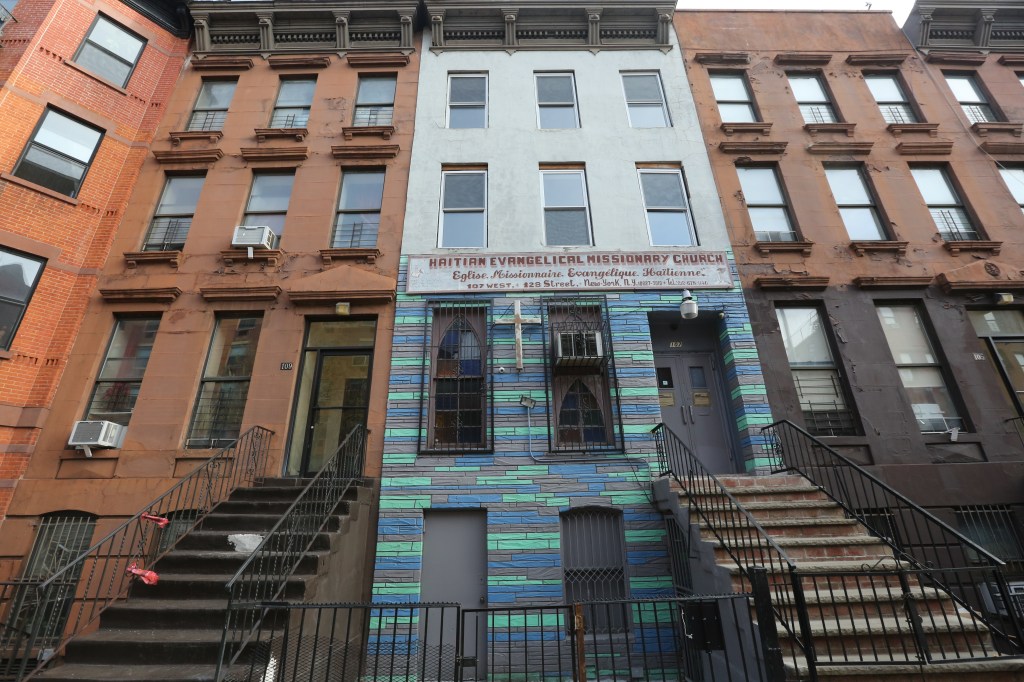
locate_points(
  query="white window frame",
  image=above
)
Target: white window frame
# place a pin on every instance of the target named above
(575, 97)
(686, 204)
(892, 105)
(827, 102)
(487, 98)
(661, 89)
(442, 211)
(582, 173)
(749, 101)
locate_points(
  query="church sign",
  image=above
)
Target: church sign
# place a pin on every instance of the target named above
(468, 272)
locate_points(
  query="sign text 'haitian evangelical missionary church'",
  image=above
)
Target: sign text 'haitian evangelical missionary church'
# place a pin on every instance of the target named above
(573, 271)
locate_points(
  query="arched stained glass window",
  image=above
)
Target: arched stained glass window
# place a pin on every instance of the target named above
(459, 382)
(580, 419)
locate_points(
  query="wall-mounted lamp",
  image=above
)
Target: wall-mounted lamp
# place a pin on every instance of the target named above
(1003, 299)
(688, 308)
(527, 402)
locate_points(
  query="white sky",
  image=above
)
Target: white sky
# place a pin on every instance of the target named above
(899, 8)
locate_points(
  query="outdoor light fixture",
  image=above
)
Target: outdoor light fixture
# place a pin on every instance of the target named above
(688, 308)
(527, 402)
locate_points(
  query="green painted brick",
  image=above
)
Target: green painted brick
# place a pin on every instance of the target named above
(404, 482)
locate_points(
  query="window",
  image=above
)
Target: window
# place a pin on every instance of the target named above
(556, 101)
(814, 102)
(1003, 332)
(920, 370)
(948, 212)
(294, 99)
(458, 414)
(358, 209)
(819, 384)
(1014, 179)
(970, 97)
(593, 545)
(892, 103)
(120, 377)
(110, 51)
(59, 154)
(856, 205)
(217, 419)
(467, 100)
(19, 275)
(212, 105)
(173, 217)
(645, 100)
(995, 529)
(375, 101)
(463, 209)
(268, 200)
(766, 205)
(668, 216)
(581, 416)
(735, 104)
(566, 215)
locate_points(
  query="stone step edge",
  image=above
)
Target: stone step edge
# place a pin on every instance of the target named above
(840, 566)
(882, 670)
(826, 598)
(895, 626)
(799, 521)
(809, 541)
(754, 490)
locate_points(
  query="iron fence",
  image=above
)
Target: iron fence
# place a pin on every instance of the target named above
(71, 598)
(265, 573)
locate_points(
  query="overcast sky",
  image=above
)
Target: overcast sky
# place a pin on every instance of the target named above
(899, 8)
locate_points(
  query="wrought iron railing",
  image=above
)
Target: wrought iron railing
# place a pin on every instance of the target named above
(373, 115)
(264, 575)
(207, 120)
(167, 234)
(73, 597)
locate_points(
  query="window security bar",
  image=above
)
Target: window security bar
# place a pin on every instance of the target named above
(168, 234)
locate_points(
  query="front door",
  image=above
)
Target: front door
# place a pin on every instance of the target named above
(339, 401)
(693, 407)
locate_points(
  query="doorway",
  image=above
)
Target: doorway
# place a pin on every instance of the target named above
(691, 389)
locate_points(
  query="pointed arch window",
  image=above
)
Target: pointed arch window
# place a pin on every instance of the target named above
(580, 417)
(458, 408)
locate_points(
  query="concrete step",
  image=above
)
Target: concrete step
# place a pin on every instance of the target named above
(165, 613)
(906, 669)
(217, 540)
(760, 493)
(78, 672)
(783, 509)
(217, 563)
(205, 586)
(817, 547)
(795, 527)
(747, 480)
(146, 646)
(263, 522)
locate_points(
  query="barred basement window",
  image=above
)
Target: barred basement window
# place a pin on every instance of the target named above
(594, 565)
(458, 411)
(995, 529)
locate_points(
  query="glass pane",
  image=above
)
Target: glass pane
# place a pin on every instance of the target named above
(218, 416)
(669, 228)
(563, 189)
(464, 190)
(847, 186)
(275, 221)
(662, 190)
(361, 190)
(356, 230)
(296, 93)
(270, 192)
(234, 347)
(818, 390)
(929, 398)
(771, 224)
(468, 90)
(642, 88)
(289, 117)
(216, 94)
(17, 275)
(997, 322)
(114, 401)
(45, 168)
(807, 89)
(647, 116)
(566, 228)
(905, 333)
(376, 90)
(1014, 179)
(964, 89)
(803, 337)
(732, 88)
(129, 349)
(463, 229)
(862, 223)
(10, 314)
(884, 89)
(897, 113)
(180, 196)
(557, 118)
(953, 223)
(67, 136)
(105, 65)
(818, 113)
(979, 113)
(555, 90)
(934, 186)
(342, 334)
(760, 186)
(737, 113)
(116, 40)
(467, 117)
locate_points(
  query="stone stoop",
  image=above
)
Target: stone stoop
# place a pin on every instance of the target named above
(852, 618)
(171, 632)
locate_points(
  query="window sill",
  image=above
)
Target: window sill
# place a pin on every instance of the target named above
(5, 354)
(275, 153)
(803, 247)
(815, 128)
(982, 129)
(133, 258)
(359, 255)
(45, 191)
(761, 128)
(270, 257)
(791, 283)
(383, 132)
(99, 79)
(298, 133)
(372, 151)
(860, 247)
(213, 136)
(898, 129)
(973, 245)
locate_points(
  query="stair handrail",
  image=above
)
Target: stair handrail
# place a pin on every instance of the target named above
(263, 576)
(85, 586)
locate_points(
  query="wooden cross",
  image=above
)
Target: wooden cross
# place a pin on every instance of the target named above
(518, 320)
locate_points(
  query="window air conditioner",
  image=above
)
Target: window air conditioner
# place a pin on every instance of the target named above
(579, 349)
(95, 434)
(253, 236)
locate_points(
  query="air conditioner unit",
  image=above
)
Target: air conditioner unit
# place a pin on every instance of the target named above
(253, 236)
(86, 435)
(579, 349)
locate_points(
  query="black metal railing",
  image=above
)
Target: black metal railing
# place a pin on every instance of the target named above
(692, 638)
(207, 120)
(264, 575)
(1016, 424)
(72, 598)
(739, 534)
(167, 234)
(943, 558)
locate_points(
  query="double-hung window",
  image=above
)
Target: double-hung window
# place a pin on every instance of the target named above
(358, 218)
(463, 209)
(467, 100)
(375, 101)
(19, 275)
(855, 203)
(458, 409)
(735, 105)
(921, 372)
(812, 98)
(173, 217)
(970, 97)
(556, 101)
(948, 211)
(766, 204)
(110, 51)
(566, 213)
(891, 100)
(1014, 179)
(268, 200)
(59, 154)
(1003, 332)
(668, 215)
(120, 377)
(212, 105)
(645, 100)
(818, 381)
(217, 418)
(294, 100)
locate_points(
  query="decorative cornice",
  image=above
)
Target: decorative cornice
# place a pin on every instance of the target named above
(791, 282)
(849, 148)
(377, 59)
(264, 134)
(141, 295)
(982, 275)
(803, 247)
(877, 59)
(860, 247)
(753, 147)
(211, 136)
(359, 255)
(930, 148)
(892, 282)
(331, 297)
(310, 61)
(760, 128)
(984, 128)
(978, 285)
(802, 58)
(188, 155)
(815, 128)
(271, 257)
(221, 63)
(264, 293)
(378, 151)
(383, 132)
(964, 58)
(730, 58)
(898, 129)
(1012, 60)
(973, 245)
(993, 147)
(275, 153)
(133, 258)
